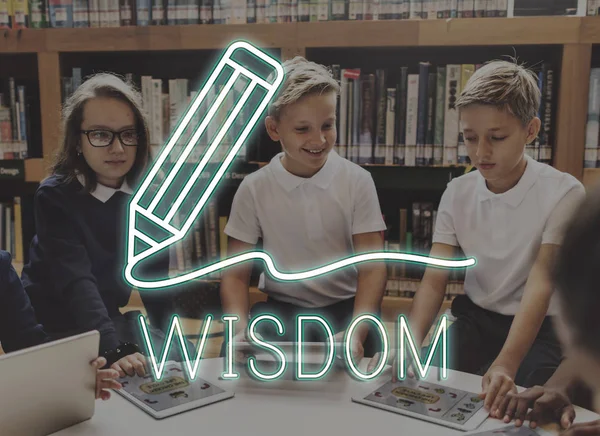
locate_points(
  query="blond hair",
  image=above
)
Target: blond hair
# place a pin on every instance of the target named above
(302, 78)
(505, 85)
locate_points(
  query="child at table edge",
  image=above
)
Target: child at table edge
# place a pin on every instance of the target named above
(19, 328)
(577, 380)
(343, 213)
(509, 215)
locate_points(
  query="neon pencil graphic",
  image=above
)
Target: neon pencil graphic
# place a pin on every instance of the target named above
(174, 193)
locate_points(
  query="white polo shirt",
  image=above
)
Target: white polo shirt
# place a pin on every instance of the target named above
(306, 223)
(504, 232)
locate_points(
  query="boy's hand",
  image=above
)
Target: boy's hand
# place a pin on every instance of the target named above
(131, 365)
(496, 384)
(105, 379)
(586, 429)
(356, 346)
(547, 404)
(392, 360)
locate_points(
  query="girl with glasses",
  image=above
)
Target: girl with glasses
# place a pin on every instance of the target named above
(75, 274)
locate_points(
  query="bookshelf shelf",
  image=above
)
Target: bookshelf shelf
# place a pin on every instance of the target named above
(591, 177)
(451, 32)
(34, 170)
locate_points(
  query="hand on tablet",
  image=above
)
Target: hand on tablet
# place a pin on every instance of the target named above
(392, 360)
(356, 346)
(591, 428)
(105, 379)
(548, 405)
(131, 365)
(496, 384)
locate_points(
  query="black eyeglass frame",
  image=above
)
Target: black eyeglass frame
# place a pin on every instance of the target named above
(112, 139)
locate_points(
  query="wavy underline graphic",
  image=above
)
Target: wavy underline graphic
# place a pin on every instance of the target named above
(236, 74)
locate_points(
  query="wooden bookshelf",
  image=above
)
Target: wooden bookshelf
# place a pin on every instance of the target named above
(451, 32)
(575, 34)
(572, 38)
(591, 177)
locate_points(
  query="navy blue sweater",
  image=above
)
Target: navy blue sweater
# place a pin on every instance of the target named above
(75, 275)
(18, 326)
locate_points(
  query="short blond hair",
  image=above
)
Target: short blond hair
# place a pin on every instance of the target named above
(302, 78)
(505, 85)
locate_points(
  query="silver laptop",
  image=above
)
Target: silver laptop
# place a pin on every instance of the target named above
(47, 388)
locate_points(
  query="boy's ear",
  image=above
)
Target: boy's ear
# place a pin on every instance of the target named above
(533, 129)
(272, 128)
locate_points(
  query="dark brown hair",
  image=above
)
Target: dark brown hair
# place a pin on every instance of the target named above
(68, 162)
(576, 273)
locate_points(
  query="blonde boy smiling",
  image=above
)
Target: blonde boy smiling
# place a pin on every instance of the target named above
(310, 207)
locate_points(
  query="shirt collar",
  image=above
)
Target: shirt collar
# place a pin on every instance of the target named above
(104, 193)
(516, 194)
(322, 179)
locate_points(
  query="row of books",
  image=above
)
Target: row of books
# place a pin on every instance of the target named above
(592, 137)
(11, 229)
(408, 288)
(207, 243)
(14, 123)
(116, 13)
(415, 122)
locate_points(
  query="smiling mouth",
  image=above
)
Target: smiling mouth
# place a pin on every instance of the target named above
(314, 152)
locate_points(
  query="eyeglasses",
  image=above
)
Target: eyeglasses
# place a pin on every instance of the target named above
(104, 138)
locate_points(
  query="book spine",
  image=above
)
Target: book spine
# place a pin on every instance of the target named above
(453, 8)
(431, 90)
(142, 12)
(380, 134)
(390, 124)
(339, 11)
(343, 114)
(467, 71)
(592, 130)
(251, 11)
(401, 99)
(356, 117)
(451, 115)
(422, 113)
(491, 8)
(412, 109)
(438, 136)
(20, 14)
(5, 14)
(13, 107)
(22, 122)
(323, 10)
(480, 8)
(366, 126)
(546, 149)
(502, 8)
(61, 13)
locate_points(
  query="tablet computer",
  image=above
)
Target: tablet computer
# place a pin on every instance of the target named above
(48, 387)
(431, 402)
(173, 393)
(512, 430)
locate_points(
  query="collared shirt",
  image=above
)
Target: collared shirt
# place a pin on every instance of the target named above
(104, 193)
(504, 232)
(306, 223)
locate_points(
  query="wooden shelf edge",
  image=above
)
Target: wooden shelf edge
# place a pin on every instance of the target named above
(34, 170)
(296, 36)
(591, 177)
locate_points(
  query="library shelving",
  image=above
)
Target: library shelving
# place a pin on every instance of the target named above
(186, 51)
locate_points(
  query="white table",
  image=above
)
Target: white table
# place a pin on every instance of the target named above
(294, 408)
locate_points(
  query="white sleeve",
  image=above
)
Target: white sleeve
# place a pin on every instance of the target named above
(243, 223)
(366, 216)
(561, 215)
(445, 232)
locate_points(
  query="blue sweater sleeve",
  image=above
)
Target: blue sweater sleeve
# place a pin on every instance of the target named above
(18, 326)
(69, 267)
